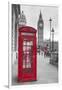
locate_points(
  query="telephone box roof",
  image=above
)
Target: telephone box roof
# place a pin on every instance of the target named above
(27, 29)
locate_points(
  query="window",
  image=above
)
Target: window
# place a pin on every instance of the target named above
(27, 54)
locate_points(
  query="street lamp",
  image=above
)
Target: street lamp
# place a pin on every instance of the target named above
(50, 20)
(52, 31)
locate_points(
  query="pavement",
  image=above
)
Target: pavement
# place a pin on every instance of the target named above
(46, 72)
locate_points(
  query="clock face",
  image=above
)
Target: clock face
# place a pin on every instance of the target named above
(40, 24)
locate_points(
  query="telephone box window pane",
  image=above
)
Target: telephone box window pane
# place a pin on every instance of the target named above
(24, 49)
(28, 65)
(27, 54)
(28, 43)
(24, 57)
(31, 43)
(28, 62)
(23, 63)
(24, 43)
(28, 48)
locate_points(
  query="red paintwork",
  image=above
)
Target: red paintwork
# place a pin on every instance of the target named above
(27, 74)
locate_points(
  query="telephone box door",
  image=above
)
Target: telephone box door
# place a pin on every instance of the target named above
(27, 58)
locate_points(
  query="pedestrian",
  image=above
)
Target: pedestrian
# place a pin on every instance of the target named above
(45, 51)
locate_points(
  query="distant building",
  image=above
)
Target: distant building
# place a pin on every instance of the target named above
(22, 19)
(21, 23)
(47, 42)
(15, 14)
(40, 26)
(18, 20)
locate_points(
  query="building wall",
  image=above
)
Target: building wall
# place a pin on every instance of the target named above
(55, 44)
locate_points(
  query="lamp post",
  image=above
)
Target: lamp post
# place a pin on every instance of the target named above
(52, 31)
(50, 20)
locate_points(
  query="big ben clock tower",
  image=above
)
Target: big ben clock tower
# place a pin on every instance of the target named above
(40, 26)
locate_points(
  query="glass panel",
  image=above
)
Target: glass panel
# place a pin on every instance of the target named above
(27, 54)
(31, 43)
(24, 48)
(29, 48)
(23, 63)
(28, 63)
(24, 43)
(28, 43)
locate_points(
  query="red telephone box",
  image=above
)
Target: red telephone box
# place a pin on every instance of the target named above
(27, 54)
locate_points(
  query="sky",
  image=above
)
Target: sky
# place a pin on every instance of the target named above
(32, 15)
